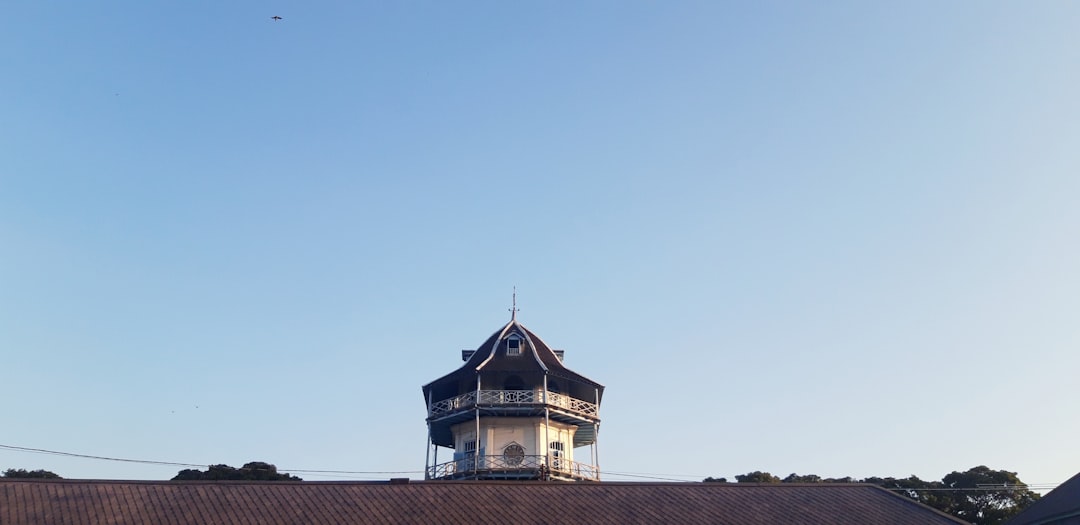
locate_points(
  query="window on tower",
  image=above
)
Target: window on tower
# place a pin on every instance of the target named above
(513, 454)
(558, 451)
(513, 346)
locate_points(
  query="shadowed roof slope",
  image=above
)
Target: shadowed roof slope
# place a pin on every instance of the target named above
(77, 502)
(1059, 506)
(543, 358)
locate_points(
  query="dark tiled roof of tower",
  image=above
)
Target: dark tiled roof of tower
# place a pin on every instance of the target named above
(73, 502)
(545, 355)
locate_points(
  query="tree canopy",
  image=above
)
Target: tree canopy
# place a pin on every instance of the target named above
(757, 476)
(979, 495)
(23, 473)
(997, 496)
(253, 471)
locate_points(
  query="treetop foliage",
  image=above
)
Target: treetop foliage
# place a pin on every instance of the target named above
(758, 476)
(23, 473)
(253, 471)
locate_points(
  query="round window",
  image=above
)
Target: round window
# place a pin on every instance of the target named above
(513, 454)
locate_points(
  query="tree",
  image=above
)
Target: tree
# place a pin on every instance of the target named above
(253, 471)
(757, 476)
(795, 478)
(23, 473)
(984, 496)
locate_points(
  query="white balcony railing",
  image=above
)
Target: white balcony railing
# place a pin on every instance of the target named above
(540, 467)
(510, 398)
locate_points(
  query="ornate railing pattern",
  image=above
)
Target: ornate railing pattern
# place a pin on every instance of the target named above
(498, 465)
(508, 397)
(512, 397)
(452, 404)
(572, 403)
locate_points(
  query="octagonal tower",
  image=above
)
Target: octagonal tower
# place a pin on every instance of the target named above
(513, 411)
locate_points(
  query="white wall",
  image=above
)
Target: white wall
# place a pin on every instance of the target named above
(498, 432)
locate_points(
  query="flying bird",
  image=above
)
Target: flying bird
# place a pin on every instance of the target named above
(275, 18)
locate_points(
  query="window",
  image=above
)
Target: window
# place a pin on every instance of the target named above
(513, 345)
(513, 454)
(557, 450)
(466, 459)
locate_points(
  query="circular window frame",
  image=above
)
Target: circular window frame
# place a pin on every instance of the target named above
(513, 454)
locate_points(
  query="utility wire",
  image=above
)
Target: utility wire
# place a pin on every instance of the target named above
(176, 464)
(104, 458)
(645, 477)
(289, 470)
(337, 473)
(304, 471)
(631, 474)
(606, 473)
(974, 489)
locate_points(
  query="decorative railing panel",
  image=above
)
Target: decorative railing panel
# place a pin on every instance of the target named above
(572, 403)
(453, 404)
(507, 397)
(495, 466)
(512, 397)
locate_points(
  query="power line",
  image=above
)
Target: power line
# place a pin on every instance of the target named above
(306, 471)
(977, 489)
(327, 473)
(176, 464)
(632, 474)
(103, 458)
(338, 473)
(646, 477)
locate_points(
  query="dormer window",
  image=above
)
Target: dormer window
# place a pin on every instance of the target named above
(513, 345)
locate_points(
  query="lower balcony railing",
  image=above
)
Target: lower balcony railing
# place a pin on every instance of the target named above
(534, 467)
(512, 397)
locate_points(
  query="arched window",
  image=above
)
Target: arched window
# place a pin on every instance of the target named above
(513, 345)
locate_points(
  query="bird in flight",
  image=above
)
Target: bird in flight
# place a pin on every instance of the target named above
(275, 18)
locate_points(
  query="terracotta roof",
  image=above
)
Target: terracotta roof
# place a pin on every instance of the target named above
(1061, 505)
(75, 502)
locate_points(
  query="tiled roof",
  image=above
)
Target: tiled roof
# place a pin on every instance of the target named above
(555, 367)
(62, 502)
(1061, 505)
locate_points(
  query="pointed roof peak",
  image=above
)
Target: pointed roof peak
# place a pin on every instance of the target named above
(513, 307)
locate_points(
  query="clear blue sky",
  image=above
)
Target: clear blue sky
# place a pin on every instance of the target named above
(836, 238)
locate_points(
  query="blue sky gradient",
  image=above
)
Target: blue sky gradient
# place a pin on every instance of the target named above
(836, 238)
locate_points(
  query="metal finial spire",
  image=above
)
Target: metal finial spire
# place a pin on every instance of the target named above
(513, 306)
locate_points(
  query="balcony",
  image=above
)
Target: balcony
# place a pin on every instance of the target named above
(512, 399)
(514, 467)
